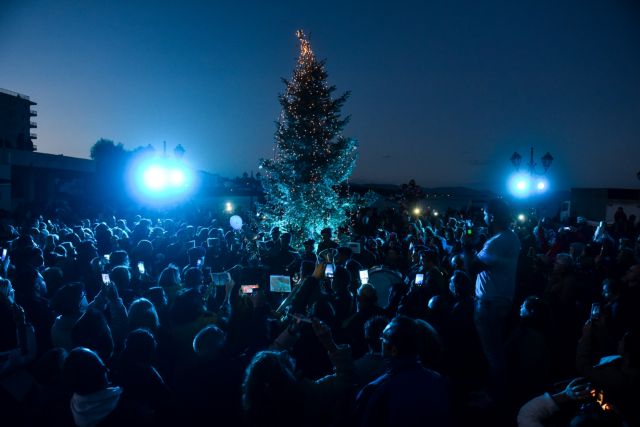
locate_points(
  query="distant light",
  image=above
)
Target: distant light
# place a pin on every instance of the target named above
(159, 180)
(522, 218)
(519, 185)
(416, 211)
(228, 207)
(176, 177)
(435, 213)
(542, 185)
(155, 178)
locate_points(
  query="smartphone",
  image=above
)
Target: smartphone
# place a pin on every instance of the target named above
(279, 283)
(419, 279)
(141, 267)
(248, 289)
(469, 232)
(364, 276)
(200, 262)
(105, 278)
(107, 257)
(328, 271)
(595, 311)
(221, 279)
(4, 254)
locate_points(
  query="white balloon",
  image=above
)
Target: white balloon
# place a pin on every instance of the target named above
(235, 222)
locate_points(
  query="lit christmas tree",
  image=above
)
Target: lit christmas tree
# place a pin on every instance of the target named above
(305, 182)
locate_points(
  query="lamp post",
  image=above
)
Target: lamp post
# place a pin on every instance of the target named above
(521, 184)
(516, 159)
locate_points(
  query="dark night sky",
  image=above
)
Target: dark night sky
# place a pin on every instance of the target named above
(442, 91)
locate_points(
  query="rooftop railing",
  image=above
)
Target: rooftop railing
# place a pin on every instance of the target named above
(12, 93)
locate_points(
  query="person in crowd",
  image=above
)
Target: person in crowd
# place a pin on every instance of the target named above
(69, 303)
(308, 253)
(273, 396)
(465, 362)
(367, 308)
(616, 375)
(188, 316)
(31, 295)
(95, 401)
(169, 280)
(326, 242)
(371, 365)
(528, 352)
(495, 266)
(407, 394)
(538, 411)
(142, 384)
(143, 315)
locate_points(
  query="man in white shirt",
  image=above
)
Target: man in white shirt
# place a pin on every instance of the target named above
(495, 266)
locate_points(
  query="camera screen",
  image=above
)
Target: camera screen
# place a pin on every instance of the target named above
(329, 270)
(248, 289)
(280, 283)
(364, 276)
(221, 279)
(419, 279)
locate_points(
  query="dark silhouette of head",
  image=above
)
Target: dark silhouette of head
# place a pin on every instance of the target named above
(84, 372)
(399, 338)
(270, 393)
(497, 215)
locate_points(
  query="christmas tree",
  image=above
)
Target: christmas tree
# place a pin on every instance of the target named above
(305, 182)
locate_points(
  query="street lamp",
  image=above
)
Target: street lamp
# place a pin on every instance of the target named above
(523, 183)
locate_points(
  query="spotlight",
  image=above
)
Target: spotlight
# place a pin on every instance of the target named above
(435, 213)
(155, 178)
(228, 207)
(519, 185)
(158, 180)
(416, 211)
(522, 218)
(176, 177)
(542, 185)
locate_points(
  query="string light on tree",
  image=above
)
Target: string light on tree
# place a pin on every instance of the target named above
(312, 160)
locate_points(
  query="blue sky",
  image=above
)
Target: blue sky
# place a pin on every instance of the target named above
(442, 91)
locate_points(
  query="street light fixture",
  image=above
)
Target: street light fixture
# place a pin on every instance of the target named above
(522, 183)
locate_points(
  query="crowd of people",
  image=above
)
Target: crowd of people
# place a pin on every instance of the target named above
(395, 320)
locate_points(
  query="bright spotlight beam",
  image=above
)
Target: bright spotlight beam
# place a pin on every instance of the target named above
(519, 184)
(160, 180)
(155, 178)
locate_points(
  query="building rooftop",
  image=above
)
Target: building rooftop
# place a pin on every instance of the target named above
(16, 95)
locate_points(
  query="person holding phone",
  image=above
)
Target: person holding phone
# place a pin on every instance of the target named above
(289, 401)
(432, 280)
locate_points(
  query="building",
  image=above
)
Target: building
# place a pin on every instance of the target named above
(600, 204)
(15, 121)
(43, 179)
